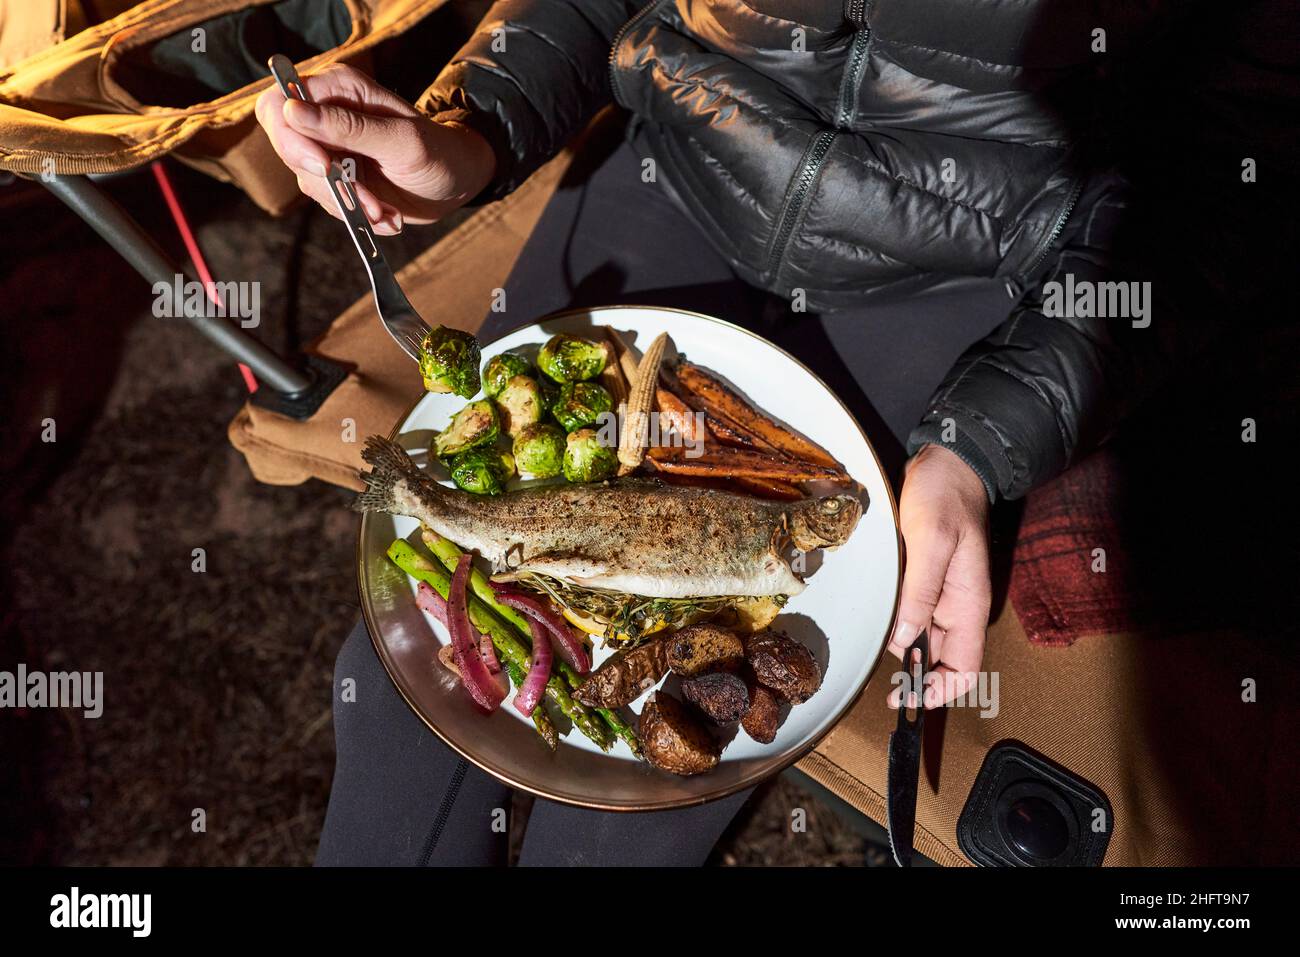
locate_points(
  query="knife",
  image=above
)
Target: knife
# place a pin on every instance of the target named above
(905, 755)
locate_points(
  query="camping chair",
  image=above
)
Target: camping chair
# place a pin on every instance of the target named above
(81, 100)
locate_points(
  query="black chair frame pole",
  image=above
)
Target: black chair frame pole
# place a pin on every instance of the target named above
(293, 390)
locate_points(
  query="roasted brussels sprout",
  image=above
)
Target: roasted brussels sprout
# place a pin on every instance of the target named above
(520, 403)
(571, 358)
(586, 459)
(581, 404)
(482, 471)
(551, 392)
(539, 450)
(500, 369)
(476, 424)
(449, 362)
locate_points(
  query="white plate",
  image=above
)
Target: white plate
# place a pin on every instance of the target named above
(844, 615)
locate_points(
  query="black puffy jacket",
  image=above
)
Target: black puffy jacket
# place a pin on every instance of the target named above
(850, 148)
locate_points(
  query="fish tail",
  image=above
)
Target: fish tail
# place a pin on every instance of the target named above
(389, 465)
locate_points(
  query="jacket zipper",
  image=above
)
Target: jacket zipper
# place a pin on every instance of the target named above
(856, 11)
(618, 39)
(815, 154)
(1052, 236)
(809, 167)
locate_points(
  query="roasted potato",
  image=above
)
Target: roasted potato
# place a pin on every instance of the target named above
(626, 676)
(784, 665)
(674, 739)
(722, 695)
(764, 713)
(704, 647)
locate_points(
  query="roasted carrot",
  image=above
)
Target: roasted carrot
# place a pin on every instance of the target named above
(717, 424)
(720, 401)
(741, 463)
(769, 488)
(680, 416)
(728, 433)
(754, 488)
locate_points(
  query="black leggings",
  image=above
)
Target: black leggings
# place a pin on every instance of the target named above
(400, 796)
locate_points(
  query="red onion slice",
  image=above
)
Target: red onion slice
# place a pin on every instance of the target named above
(485, 691)
(433, 603)
(529, 694)
(489, 654)
(570, 648)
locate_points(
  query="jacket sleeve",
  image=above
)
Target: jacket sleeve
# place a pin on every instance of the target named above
(1051, 384)
(1044, 390)
(529, 78)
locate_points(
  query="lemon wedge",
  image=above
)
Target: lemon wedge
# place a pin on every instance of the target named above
(583, 623)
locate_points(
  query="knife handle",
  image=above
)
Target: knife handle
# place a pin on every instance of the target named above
(916, 670)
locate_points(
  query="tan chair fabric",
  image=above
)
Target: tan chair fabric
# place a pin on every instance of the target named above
(29, 26)
(62, 110)
(1195, 774)
(454, 281)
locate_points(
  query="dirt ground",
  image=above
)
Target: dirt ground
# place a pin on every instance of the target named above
(217, 685)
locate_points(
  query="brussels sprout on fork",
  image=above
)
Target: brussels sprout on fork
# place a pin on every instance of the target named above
(449, 362)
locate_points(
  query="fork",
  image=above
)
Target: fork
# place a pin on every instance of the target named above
(395, 310)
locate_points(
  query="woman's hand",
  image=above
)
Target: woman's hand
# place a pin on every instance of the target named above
(409, 168)
(946, 587)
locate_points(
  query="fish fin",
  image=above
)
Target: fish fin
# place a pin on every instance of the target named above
(389, 465)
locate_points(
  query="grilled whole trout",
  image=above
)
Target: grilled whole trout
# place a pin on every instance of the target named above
(634, 536)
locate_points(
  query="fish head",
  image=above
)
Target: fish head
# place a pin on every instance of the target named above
(824, 522)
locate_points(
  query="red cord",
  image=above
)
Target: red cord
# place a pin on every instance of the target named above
(196, 254)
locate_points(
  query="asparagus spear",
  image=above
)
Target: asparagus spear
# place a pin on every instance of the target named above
(508, 646)
(447, 552)
(620, 728)
(612, 718)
